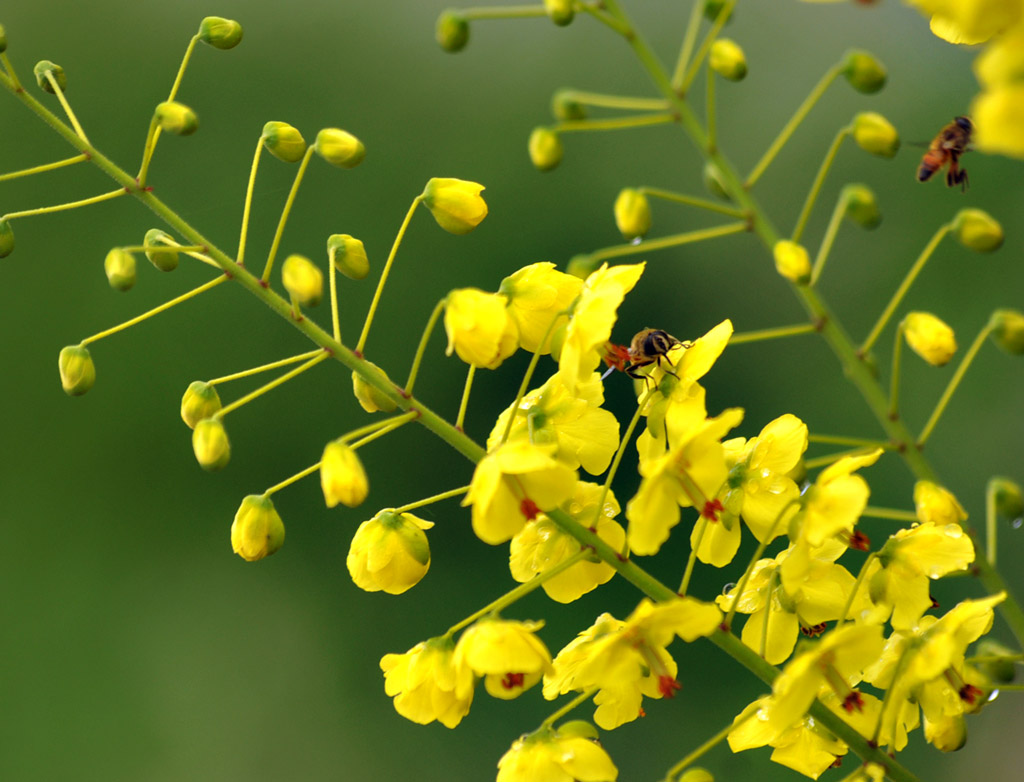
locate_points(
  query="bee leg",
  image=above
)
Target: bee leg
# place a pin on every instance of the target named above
(962, 180)
(667, 371)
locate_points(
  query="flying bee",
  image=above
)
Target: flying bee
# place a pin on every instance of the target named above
(647, 347)
(947, 147)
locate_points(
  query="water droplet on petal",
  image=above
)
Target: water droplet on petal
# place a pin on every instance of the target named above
(728, 588)
(993, 695)
(1017, 523)
(636, 240)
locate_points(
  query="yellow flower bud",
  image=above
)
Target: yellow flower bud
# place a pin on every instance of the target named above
(348, 256)
(164, 260)
(3, 39)
(1001, 671)
(560, 12)
(339, 147)
(566, 108)
(712, 8)
(632, 214)
(456, 204)
(948, 733)
(864, 72)
(220, 33)
(1008, 331)
(862, 206)
(199, 401)
(210, 444)
(77, 372)
(284, 141)
(452, 31)
(713, 181)
(697, 775)
(480, 328)
(728, 60)
(6, 239)
(792, 261)
(342, 476)
(303, 280)
(1009, 498)
(176, 118)
(545, 148)
(929, 337)
(44, 67)
(257, 530)
(582, 266)
(937, 505)
(977, 230)
(875, 134)
(119, 266)
(370, 397)
(389, 553)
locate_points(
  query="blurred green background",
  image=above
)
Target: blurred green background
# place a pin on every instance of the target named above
(136, 646)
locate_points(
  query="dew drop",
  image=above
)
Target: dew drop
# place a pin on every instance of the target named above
(993, 695)
(1017, 523)
(636, 240)
(728, 588)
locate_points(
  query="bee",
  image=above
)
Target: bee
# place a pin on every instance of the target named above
(647, 347)
(947, 147)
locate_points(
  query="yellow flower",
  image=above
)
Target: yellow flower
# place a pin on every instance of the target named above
(553, 757)
(342, 476)
(792, 261)
(936, 505)
(542, 545)
(727, 59)
(480, 329)
(389, 552)
(537, 295)
(689, 474)
(456, 204)
(370, 398)
(969, 21)
(507, 653)
(257, 530)
(513, 484)
(427, 685)
(929, 337)
(592, 319)
(585, 433)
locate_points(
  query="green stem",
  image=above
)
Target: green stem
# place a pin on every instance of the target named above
(794, 122)
(362, 431)
(11, 77)
(527, 377)
(607, 19)
(606, 101)
(894, 373)
(991, 527)
(246, 210)
(445, 495)
(954, 382)
(702, 52)
(152, 134)
(688, 200)
(709, 112)
(384, 275)
(617, 460)
(688, 237)
(856, 586)
(460, 419)
(395, 423)
(265, 367)
(689, 41)
(294, 478)
(45, 210)
(897, 297)
(712, 742)
(503, 12)
(829, 238)
(421, 349)
(613, 123)
(285, 213)
(45, 167)
(332, 278)
(271, 385)
(831, 458)
(854, 442)
(871, 512)
(574, 703)
(691, 560)
(55, 87)
(819, 180)
(775, 333)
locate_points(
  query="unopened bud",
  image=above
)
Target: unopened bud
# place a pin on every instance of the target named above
(176, 118)
(6, 239)
(713, 181)
(348, 256)
(342, 476)
(875, 134)
(580, 728)
(582, 266)
(220, 33)
(257, 530)
(199, 401)
(456, 204)
(567, 108)
(3, 39)
(632, 214)
(370, 398)
(937, 505)
(1008, 496)
(862, 206)
(864, 72)
(929, 337)
(77, 372)
(210, 444)
(559, 11)
(452, 31)
(1008, 331)
(697, 775)
(119, 266)
(545, 148)
(792, 261)
(303, 280)
(728, 60)
(164, 260)
(977, 230)
(339, 147)
(389, 553)
(947, 733)
(284, 141)
(1002, 671)
(712, 8)
(44, 68)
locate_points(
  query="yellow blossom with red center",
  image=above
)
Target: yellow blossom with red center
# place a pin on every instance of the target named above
(426, 683)
(556, 756)
(507, 653)
(539, 297)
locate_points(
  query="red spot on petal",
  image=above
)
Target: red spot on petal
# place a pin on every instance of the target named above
(814, 630)
(859, 541)
(711, 509)
(935, 603)
(837, 762)
(667, 686)
(512, 681)
(529, 509)
(969, 693)
(853, 702)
